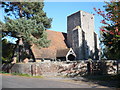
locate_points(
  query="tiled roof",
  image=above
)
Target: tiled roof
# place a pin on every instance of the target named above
(62, 52)
(58, 42)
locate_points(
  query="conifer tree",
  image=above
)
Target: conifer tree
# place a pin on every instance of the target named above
(30, 21)
(26, 20)
(7, 53)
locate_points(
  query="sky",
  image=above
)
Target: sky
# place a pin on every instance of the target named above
(59, 11)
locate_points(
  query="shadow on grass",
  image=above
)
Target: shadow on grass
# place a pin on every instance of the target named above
(104, 80)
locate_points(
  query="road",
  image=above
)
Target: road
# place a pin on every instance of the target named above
(9, 81)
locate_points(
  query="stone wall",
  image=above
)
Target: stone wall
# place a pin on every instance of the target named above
(105, 67)
(34, 69)
(73, 68)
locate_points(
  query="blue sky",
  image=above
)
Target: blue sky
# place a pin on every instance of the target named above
(60, 10)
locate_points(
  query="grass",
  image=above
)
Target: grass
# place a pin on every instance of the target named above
(20, 74)
(103, 77)
(108, 80)
(2, 72)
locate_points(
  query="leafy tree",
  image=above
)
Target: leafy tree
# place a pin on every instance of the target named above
(110, 31)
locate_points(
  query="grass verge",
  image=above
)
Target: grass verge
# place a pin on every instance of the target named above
(103, 77)
(108, 80)
(20, 74)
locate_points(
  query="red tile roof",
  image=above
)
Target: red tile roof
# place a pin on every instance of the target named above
(62, 52)
(58, 42)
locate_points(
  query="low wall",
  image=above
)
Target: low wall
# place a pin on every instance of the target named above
(73, 68)
(34, 69)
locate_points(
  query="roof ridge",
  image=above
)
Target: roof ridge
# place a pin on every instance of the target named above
(56, 31)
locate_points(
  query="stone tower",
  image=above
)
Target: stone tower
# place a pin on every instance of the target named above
(81, 36)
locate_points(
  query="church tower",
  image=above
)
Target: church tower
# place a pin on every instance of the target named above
(81, 36)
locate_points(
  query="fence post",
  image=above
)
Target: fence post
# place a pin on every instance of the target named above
(117, 66)
(89, 67)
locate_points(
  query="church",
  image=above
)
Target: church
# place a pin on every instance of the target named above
(79, 43)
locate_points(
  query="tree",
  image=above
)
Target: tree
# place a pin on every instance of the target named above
(28, 30)
(30, 22)
(110, 31)
(7, 53)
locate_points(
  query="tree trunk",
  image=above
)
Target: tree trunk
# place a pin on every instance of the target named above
(16, 50)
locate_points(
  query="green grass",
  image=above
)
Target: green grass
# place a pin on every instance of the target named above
(20, 74)
(3, 72)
